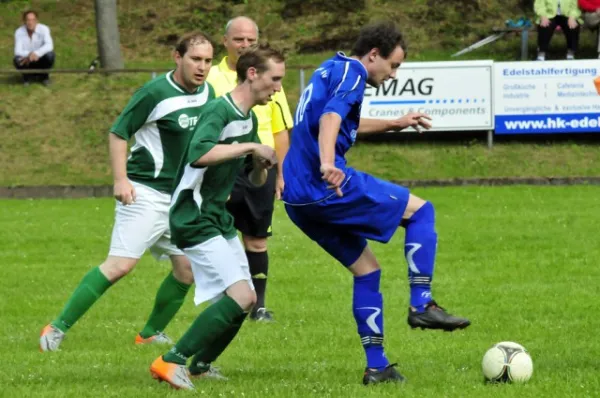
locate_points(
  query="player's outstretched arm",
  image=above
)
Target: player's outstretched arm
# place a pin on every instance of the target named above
(329, 127)
(223, 152)
(122, 188)
(416, 120)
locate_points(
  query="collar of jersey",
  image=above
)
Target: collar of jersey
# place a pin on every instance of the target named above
(180, 88)
(229, 100)
(341, 54)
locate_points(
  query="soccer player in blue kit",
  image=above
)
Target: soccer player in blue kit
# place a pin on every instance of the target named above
(341, 208)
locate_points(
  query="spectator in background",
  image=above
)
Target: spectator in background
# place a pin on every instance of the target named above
(591, 17)
(33, 48)
(553, 13)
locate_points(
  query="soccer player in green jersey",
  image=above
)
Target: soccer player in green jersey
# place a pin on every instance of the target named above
(251, 207)
(161, 116)
(201, 225)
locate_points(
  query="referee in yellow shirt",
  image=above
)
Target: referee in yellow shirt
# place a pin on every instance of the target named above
(252, 207)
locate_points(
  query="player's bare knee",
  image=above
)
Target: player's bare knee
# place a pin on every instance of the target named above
(242, 294)
(365, 264)
(424, 215)
(182, 269)
(413, 205)
(114, 268)
(246, 300)
(255, 244)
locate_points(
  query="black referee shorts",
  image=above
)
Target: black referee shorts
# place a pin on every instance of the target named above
(252, 207)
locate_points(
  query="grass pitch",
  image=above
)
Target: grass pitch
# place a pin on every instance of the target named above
(520, 262)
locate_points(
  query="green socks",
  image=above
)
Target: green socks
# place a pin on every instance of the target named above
(208, 328)
(92, 286)
(208, 354)
(169, 299)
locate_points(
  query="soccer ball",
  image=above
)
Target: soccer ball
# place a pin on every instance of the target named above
(507, 362)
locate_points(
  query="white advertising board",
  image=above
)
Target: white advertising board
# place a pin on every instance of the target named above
(457, 95)
(546, 97)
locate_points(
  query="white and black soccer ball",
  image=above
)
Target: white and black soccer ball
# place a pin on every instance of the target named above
(507, 362)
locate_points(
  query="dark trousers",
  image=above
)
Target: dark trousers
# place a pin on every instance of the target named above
(545, 34)
(45, 62)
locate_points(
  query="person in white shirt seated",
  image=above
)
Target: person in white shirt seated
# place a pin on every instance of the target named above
(34, 48)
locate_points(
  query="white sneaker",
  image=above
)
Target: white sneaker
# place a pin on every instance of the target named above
(158, 338)
(213, 372)
(176, 375)
(50, 338)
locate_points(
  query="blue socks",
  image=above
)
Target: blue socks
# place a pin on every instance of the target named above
(367, 305)
(419, 248)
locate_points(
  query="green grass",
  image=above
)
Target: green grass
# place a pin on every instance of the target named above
(420, 160)
(520, 262)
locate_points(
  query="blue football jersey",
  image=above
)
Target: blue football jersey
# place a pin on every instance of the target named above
(337, 86)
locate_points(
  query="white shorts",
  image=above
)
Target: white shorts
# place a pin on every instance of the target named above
(143, 225)
(217, 264)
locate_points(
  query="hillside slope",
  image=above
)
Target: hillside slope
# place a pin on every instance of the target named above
(57, 135)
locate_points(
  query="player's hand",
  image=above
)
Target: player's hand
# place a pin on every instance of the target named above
(572, 23)
(544, 22)
(265, 156)
(124, 192)
(334, 177)
(33, 57)
(279, 185)
(24, 61)
(416, 120)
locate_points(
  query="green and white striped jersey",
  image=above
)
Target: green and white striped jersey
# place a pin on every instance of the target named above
(198, 211)
(161, 116)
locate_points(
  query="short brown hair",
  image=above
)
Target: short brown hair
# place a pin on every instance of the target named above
(382, 35)
(29, 12)
(192, 38)
(257, 56)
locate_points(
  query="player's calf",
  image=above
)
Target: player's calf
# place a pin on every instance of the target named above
(420, 249)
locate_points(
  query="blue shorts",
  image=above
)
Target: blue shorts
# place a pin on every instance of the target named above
(370, 209)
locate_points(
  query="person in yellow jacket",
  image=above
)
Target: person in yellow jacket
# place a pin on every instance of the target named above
(553, 13)
(252, 207)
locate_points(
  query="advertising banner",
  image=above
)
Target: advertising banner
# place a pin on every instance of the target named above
(547, 97)
(457, 95)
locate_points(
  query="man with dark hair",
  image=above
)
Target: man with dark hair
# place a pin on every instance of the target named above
(34, 48)
(201, 225)
(252, 207)
(341, 208)
(161, 117)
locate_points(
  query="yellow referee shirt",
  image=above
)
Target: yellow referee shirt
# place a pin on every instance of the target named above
(272, 118)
